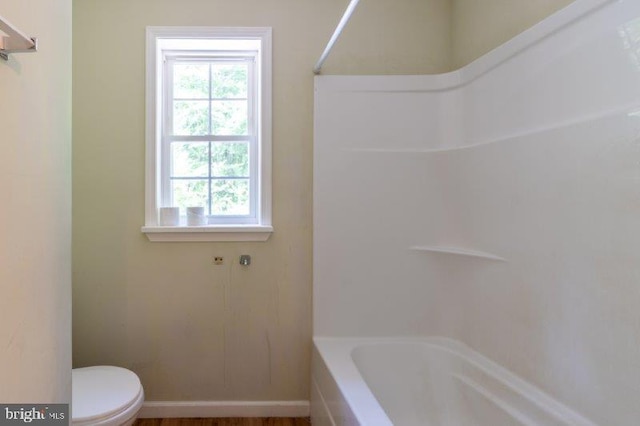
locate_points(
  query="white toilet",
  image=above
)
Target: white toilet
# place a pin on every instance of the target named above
(105, 396)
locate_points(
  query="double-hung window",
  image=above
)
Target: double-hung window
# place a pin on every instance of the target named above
(208, 132)
(209, 144)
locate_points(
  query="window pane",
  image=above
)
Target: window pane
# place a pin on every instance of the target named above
(230, 197)
(190, 159)
(229, 118)
(230, 159)
(229, 81)
(191, 118)
(191, 81)
(189, 193)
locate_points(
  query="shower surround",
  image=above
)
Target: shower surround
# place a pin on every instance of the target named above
(497, 205)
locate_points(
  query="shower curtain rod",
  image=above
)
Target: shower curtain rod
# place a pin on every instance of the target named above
(336, 34)
(14, 41)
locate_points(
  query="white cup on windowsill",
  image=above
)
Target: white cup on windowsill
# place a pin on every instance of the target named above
(196, 216)
(169, 216)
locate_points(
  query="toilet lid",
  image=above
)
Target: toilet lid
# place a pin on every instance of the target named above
(102, 391)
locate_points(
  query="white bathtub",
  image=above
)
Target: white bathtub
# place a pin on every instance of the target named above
(422, 382)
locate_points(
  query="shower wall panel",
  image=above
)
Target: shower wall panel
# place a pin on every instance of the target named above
(498, 205)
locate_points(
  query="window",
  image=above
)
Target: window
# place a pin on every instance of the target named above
(209, 132)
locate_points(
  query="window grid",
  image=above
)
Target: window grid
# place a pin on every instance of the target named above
(209, 198)
(211, 139)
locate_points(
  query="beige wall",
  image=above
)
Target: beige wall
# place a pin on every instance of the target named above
(192, 330)
(479, 26)
(35, 217)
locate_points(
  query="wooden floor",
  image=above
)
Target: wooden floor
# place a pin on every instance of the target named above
(270, 421)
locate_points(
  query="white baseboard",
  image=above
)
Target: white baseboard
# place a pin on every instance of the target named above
(195, 409)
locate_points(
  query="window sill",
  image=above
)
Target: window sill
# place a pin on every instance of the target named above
(225, 233)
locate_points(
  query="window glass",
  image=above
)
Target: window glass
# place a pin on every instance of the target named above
(191, 118)
(229, 81)
(230, 159)
(230, 197)
(190, 159)
(190, 193)
(229, 118)
(191, 81)
(210, 102)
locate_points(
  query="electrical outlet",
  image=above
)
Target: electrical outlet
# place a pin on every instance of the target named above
(218, 260)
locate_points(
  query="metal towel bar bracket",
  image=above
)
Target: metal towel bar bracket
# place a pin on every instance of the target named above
(14, 41)
(4, 53)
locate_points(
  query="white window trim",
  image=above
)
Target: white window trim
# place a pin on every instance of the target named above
(250, 232)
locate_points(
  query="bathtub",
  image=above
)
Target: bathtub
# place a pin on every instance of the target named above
(422, 382)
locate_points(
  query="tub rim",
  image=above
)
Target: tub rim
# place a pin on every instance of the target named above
(336, 353)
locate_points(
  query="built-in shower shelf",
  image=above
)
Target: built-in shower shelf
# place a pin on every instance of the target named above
(457, 251)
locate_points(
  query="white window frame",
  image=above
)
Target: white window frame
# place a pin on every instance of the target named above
(251, 58)
(257, 227)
